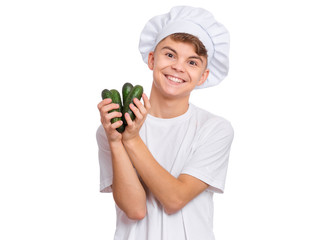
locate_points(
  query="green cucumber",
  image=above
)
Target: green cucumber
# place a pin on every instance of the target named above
(126, 89)
(106, 94)
(136, 92)
(115, 96)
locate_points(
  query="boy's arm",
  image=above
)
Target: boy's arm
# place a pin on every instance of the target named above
(128, 191)
(173, 193)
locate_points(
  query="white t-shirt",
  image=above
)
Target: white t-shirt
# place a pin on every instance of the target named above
(196, 143)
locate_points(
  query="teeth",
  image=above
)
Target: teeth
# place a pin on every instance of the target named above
(174, 79)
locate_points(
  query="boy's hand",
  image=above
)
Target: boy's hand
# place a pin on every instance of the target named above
(105, 117)
(140, 111)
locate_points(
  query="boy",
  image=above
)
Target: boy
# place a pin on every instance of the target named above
(165, 167)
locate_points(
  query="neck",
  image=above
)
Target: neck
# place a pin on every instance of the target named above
(167, 107)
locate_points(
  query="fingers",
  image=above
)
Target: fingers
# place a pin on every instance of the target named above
(128, 120)
(138, 114)
(106, 105)
(139, 111)
(143, 109)
(116, 124)
(104, 102)
(107, 116)
(111, 115)
(146, 101)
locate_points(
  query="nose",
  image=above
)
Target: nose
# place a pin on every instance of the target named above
(178, 66)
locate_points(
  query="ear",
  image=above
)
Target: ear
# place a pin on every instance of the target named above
(204, 77)
(151, 60)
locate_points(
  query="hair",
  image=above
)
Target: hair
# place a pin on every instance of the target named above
(188, 38)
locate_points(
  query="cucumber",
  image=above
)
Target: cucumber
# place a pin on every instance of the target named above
(115, 96)
(126, 89)
(136, 92)
(106, 94)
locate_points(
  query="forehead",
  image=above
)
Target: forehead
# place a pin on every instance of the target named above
(179, 46)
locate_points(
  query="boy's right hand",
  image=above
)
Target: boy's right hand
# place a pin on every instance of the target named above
(105, 117)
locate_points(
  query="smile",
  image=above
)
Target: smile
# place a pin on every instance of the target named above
(174, 79)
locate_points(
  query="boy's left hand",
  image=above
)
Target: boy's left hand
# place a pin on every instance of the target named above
(140, 111)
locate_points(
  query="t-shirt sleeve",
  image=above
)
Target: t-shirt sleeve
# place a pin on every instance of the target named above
(210, 154)
(105, 161)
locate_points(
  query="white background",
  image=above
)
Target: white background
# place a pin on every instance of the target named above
(57, 56)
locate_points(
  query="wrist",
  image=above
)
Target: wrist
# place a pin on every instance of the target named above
(115, 144)
(130, 142)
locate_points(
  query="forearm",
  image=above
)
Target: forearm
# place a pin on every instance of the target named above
(165, 187)
(128, 191)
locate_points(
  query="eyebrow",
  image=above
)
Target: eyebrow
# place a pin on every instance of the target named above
(174, 51)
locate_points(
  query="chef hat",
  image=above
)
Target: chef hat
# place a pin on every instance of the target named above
(198, 22)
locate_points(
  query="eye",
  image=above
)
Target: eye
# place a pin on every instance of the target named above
(170, 55)
(193, 63)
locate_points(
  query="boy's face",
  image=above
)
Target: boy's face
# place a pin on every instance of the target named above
(177, 69)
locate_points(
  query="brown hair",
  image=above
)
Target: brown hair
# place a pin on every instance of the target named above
(188, 38)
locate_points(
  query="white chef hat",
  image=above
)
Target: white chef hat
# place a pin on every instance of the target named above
(198, 22)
